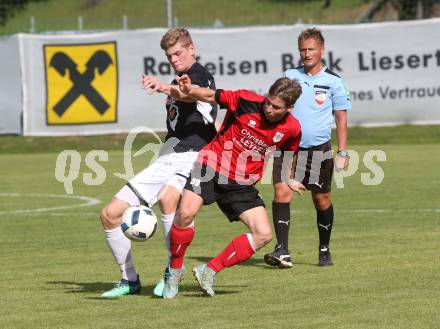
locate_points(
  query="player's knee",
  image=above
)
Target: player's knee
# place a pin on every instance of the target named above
(262, 238)
(104, 215)
(322, 203)
(282, 193)
(108, 219)
(184, 217)
(168, 203)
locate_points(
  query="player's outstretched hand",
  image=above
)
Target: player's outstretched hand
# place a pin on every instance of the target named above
(341, 163)
(184, 84)
(150, 84)
(296, 186)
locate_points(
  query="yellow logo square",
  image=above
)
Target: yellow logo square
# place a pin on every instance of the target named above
(81, 83)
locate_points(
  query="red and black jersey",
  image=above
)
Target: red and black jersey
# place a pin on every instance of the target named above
(243, 145)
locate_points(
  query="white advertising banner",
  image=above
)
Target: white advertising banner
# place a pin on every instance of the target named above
(10, 87)
(91, 83)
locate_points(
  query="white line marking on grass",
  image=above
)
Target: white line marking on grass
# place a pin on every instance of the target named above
(369, 210)
(394, 210)
(382, 210)
(88, 202)
(60, 214)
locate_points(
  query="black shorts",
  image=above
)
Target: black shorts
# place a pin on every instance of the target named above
(314, 168)
(232, 198)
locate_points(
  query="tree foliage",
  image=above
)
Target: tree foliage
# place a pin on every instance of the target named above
(9, 7)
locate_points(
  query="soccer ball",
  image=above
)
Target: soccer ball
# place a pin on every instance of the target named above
(139, 223)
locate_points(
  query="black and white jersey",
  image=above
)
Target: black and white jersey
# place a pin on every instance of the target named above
(192, 123)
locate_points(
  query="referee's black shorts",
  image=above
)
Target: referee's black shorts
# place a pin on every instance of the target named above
(232, 197)
(314, 168)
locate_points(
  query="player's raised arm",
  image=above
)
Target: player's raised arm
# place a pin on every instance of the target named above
(152, 85)
(198, 93)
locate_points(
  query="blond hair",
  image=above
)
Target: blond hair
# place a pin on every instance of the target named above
(312, 33)
(175, 35)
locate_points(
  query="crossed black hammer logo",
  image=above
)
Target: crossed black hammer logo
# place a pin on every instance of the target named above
(62, 63)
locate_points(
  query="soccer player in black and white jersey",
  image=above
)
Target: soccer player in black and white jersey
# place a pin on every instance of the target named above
(227, 170)
(190, 125)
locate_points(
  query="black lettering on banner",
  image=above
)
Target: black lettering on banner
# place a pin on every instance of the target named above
(431, 92)
(211, 68)
(425, 59)
(150, 67)
(231, 68)
(372, 62)
(333, 62)
(413, 61)
(399, 62)
(261, 64)
(222, 67)
(165, 68)
(385, 63)
(149, 63)
(422, 92)
(362, 66)
(361, 95)
(245, 67)
(287, 62)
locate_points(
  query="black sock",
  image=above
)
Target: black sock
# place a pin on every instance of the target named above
(324, 220)
(281, 223)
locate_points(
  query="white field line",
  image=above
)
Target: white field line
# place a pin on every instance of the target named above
(88, 201)
(93, 201)
(380, 210)
(57, 214)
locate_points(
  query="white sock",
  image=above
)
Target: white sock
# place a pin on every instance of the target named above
(167, 222)
(120, 246)
(251, 241)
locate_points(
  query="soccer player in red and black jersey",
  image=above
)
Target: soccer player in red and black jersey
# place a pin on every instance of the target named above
(227, 169)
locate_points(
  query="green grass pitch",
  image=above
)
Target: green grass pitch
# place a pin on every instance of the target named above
(385, 244)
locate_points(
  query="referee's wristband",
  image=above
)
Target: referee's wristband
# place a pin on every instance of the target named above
(342, 154)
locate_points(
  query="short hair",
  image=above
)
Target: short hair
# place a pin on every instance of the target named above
(175, 35)
(313, 33)
(286, 89)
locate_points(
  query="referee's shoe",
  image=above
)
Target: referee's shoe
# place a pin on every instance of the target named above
(324, 256)
(279, 257)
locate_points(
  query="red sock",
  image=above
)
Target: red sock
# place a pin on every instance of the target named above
(237, 251)
(180, 239)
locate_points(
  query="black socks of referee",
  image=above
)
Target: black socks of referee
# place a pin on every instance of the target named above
(324, 220)
(281, 223)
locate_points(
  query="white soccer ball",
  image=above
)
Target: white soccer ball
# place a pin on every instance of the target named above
(139, 223)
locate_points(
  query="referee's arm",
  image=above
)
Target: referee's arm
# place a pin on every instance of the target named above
(341, 128)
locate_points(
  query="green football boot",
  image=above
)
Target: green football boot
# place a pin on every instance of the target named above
(158, 289)
(123, 288)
